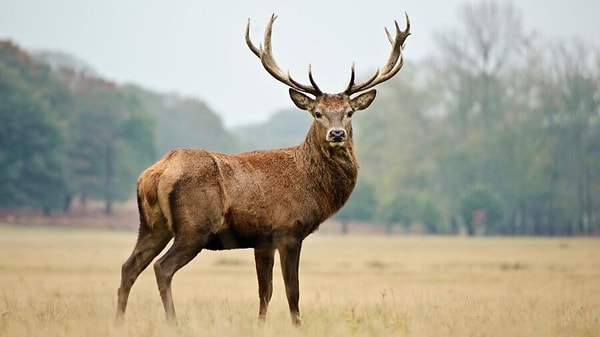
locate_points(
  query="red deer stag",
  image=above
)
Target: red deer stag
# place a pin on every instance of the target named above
(266, 200)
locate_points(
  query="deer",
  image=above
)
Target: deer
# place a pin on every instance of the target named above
(265, 200)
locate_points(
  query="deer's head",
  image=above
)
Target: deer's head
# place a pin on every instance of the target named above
(332, 113)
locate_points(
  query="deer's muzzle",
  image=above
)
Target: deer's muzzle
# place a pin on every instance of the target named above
(336, 136)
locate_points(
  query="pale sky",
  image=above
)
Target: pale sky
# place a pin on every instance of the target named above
(196, 48)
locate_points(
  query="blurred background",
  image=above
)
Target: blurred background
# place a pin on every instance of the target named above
(491, 128)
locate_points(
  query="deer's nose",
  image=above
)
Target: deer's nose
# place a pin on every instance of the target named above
(337, 135)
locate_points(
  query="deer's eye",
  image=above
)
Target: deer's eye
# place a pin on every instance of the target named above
(350, 113)
(318, 114)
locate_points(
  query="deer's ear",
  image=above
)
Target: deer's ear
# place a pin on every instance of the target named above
(363, 101)
(301, 100)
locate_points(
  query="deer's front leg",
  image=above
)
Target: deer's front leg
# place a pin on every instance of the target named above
(264, 271)
(289, 255)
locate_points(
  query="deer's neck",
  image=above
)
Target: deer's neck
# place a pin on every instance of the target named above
(332, 170)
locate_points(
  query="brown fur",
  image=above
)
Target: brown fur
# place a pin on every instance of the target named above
(265, 200)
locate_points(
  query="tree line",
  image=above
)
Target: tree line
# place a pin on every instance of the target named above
(67, 133)
(497, 133)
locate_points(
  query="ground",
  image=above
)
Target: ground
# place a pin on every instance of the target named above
(62, 282)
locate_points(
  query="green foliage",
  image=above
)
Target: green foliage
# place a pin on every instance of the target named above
(361, 205)
(67, 133)
(393, 135)
(491, 109)
(402, 209)
(481, 207)
(430, 216)
(32, 169)
(111, 141)
(407, 209)
(499, 125)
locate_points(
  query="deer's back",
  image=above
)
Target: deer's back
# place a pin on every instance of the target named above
(249, 197)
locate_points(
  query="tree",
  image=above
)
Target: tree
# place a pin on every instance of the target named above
(360, 206)
(111, 143)
(396, 135)
(570, 109)
(430, 216)
(481, 207)
(487, 85)
(402, 209)
(473, 59)
(67, 132)
(32, 170)
(500, 108)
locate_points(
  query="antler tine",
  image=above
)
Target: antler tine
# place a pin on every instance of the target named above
(349, 89)
(312, 80)
(317, 91)
(256, 51)
(392, 66)
(265, 54)
(387, 32)
(352, 76)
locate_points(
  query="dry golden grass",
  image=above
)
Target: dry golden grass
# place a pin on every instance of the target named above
(58, 282)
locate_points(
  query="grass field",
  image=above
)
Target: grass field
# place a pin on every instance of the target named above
(62, 282)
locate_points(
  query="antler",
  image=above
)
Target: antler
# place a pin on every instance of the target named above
(392, 66)
(266, 57)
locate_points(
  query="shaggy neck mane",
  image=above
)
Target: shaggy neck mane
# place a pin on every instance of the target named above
(332, 170)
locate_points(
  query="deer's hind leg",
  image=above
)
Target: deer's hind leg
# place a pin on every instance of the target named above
(149, 244)
(193, 225)
(181, 253)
